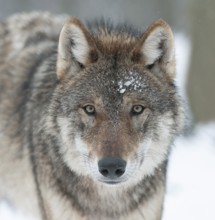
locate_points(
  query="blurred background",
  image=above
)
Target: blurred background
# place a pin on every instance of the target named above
(192, 20)
(191, 175)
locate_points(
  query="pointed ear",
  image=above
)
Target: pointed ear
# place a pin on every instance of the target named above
(157, 48)
(75, 48)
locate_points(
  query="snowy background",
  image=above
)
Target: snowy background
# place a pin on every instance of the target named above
(191, 173)
(191, 177)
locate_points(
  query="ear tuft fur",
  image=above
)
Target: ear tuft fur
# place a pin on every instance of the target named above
(157, 44)
(74, 47)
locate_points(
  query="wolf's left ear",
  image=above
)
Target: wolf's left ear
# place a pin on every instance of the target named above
(157, 47)
(75, 48)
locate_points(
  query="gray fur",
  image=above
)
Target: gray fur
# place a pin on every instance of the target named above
(35, 102)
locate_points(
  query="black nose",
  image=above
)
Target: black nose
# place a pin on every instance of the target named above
(112, 167)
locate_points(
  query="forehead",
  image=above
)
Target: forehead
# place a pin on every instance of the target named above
(122, 80)
(113, 84)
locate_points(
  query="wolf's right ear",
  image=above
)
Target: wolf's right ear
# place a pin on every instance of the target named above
(75, 48)
(157, 48)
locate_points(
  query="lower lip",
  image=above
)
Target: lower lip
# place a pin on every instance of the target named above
(111, 183)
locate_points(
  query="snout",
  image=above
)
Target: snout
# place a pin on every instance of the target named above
(112, 168)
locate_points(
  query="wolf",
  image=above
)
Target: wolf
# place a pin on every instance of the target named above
(88, 115)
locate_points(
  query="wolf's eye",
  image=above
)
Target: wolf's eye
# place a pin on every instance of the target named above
(89, 109)
(137, 109)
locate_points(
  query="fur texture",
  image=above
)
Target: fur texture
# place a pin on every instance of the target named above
(70, 96)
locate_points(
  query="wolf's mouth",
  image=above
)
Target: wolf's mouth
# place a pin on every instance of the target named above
(111, 182)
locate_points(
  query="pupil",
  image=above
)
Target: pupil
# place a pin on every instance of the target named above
(90, 109)
(137, 109)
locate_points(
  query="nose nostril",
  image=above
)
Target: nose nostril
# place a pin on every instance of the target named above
(119, 172)
(104, 172)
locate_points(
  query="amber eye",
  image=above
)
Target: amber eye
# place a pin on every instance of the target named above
(89, 109)
(137, 109)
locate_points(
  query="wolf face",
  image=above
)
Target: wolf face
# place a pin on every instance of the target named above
(115, 106)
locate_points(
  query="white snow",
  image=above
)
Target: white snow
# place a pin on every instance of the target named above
(8, 213)
(122, 91)
(128, 83)
(133, 80)
(183, 48)
(191, 177)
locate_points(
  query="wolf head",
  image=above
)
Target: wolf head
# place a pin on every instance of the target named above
(116, 105)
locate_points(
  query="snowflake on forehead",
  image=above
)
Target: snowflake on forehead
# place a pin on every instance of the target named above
(132, 80)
